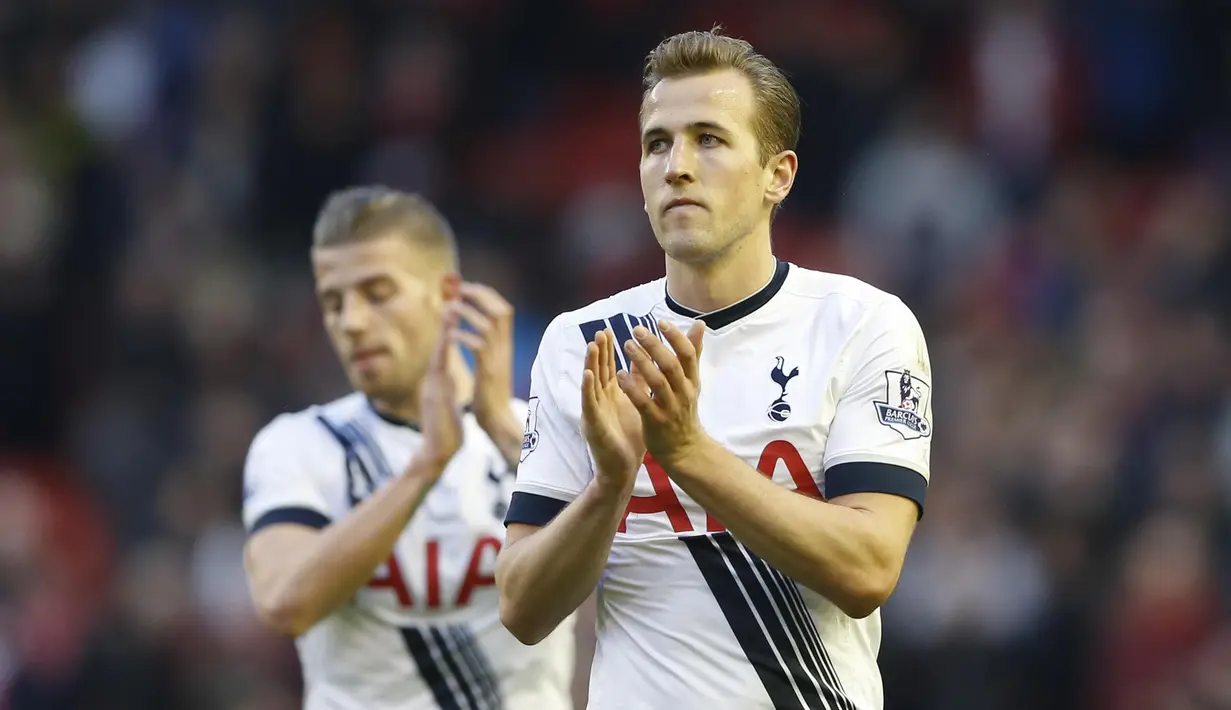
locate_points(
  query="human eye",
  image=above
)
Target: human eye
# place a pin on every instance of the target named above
(709, 140)
(656, 145)
(331, 302)
(380, 290)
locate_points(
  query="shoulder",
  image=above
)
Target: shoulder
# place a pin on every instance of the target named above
(299, 431)
(823, 285)
(852, 305)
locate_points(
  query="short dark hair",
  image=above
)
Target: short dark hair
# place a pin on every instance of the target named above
(777, 120)
(358, 214)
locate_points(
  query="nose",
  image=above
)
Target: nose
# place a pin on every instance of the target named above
(681, 166)
(354, 315)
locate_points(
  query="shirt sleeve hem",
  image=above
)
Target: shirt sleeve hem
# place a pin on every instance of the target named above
(876, 477)
(533, 509)
(295, 515)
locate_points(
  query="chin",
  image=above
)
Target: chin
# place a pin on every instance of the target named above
(370, 381)
(379, 391)
(689, 247)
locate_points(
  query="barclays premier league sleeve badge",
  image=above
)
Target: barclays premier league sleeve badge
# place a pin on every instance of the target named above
(530, 437)
(906, 400)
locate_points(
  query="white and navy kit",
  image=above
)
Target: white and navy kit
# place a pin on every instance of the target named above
(819, 381)
(425, 632)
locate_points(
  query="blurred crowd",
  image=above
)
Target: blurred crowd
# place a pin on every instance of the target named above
(1045, 183)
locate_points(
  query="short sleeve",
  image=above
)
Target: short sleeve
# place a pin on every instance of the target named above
(279, 486)
(555, 462)
(880, 440)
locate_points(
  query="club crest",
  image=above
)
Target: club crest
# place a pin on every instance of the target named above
(779, 409)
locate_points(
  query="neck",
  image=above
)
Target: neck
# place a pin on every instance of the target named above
(406, 408)
(745, 268)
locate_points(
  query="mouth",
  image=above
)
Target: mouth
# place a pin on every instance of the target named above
(366, 355)
(681, 202)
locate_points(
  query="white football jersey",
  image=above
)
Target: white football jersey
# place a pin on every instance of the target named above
(425, 632)
(819, 381)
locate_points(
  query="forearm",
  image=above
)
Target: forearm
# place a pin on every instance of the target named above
(505, 431)
(544, 577)
(343, 556)
(839, 552)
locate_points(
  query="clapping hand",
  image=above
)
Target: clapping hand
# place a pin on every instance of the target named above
(610, 422)
(664, 386)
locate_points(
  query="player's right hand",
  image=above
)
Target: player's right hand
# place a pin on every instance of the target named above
(439, 412)
(610, 422)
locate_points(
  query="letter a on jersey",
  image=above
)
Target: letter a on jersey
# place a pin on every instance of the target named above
(906, 401)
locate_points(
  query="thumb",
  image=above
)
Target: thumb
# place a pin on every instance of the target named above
(695, 334)
(449, 322)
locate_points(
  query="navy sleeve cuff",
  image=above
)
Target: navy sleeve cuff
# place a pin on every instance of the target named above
(876, 477)
(532, 509)
(298, 516)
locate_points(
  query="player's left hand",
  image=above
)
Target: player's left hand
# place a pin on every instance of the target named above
(490, 317)
(667, 401)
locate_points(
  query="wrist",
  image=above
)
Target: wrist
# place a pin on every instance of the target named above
(489, 410)
(426, 463)
(505, 431)
(678, 457)
(414, 484)
(614, 490)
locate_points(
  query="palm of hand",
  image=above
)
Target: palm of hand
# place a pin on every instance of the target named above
(441, 417)
(491, 342)
(494, 377)
(610, 421)
(622, 423)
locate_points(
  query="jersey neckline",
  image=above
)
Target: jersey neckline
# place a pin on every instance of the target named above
(398, 421)
(740, 309)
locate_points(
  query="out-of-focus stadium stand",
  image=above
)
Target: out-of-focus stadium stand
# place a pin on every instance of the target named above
(1046, 183)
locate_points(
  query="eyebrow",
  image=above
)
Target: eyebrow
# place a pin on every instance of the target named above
(365, 282)
(693, 127)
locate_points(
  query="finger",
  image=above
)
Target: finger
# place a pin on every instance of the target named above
(610, 356)
(653, 377)
(440, 353)
(475, 318)
(638, 395)
(591, 365)
(635, 372)
(695, 335)
(656, 409)
(471, 341)
(666, 360)
(685, 352)
(601, 344)
(589, 400)
(638, 379)
(487, 299)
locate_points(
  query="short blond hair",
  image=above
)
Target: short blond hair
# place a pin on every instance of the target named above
(776, 123)
(358, 214)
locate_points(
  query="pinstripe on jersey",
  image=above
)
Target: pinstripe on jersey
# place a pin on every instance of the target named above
(757, 602)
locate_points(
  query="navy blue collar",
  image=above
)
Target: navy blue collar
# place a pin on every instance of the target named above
(726, 316)
(398, 421)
